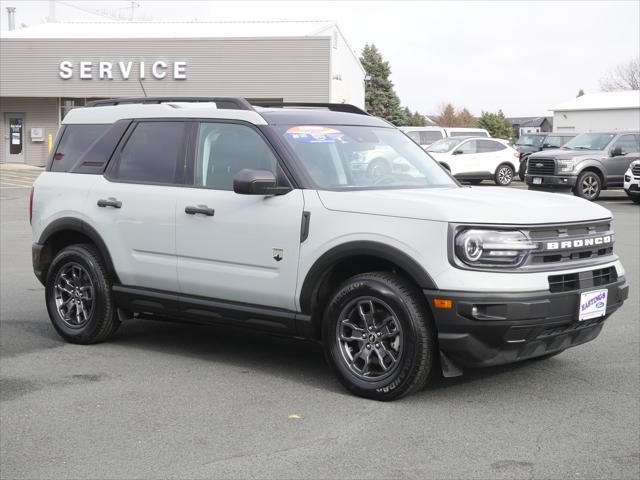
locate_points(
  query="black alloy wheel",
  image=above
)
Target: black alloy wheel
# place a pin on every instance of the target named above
(78, 296)
(379, 337)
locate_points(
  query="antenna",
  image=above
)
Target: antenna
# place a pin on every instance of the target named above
(142, 87)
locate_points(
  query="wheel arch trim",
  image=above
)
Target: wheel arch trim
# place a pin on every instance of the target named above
(77, 225)
(335, 255)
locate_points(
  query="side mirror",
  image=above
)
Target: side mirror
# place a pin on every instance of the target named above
(616, 152)
(257, 182)
(457, 152)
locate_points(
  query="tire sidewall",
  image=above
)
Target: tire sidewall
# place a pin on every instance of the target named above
(581, 178)
(394, 382)
(497, 174)
(78, 254)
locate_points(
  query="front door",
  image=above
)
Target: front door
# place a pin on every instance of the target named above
(618, 164)
(14, 136)
(232, 247)
(467, 161)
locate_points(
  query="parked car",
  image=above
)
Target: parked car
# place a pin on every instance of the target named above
(425, 136)
(632, 181)
(535, 142)
(223, 212)
(475, 159)
(586, 164)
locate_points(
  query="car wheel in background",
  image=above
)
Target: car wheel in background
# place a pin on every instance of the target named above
(378, 336)
(588, 186)
(504, 175)
(78, 296)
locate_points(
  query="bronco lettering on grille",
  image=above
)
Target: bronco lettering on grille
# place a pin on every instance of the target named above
(578, 243)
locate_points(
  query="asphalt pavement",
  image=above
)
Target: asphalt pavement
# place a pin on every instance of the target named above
(166, 400)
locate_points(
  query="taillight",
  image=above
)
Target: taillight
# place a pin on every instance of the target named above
(31, 204)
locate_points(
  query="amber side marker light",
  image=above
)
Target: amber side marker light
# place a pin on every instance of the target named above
(444, 304)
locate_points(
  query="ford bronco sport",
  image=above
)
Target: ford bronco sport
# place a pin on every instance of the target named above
(217, 210)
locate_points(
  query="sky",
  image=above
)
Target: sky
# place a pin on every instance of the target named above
(523, 57)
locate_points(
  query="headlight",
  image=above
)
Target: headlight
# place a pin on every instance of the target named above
(565, 165)
(492, 248)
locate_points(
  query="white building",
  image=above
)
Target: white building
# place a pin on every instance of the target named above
(48, 69)
(604, 111)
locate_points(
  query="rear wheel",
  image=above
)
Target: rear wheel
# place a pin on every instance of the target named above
(504, 175)
(378, 336)
(588, 186)
(78, 296)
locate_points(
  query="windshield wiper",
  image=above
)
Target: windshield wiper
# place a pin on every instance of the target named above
(582, 148)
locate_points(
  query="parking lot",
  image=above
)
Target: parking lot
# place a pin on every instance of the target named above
(166, 400)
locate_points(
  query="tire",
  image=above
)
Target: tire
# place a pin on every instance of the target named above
(588, 186)
(379, 168)
(504, 175)
(406, 344)
(78, 276)
(635, 199)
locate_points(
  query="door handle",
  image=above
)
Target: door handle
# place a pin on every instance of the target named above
(109, 202)
(202, 209)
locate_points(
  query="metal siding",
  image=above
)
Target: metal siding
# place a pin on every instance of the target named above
(292, 68)
(38, 112)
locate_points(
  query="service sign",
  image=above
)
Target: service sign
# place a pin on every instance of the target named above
(105, 70)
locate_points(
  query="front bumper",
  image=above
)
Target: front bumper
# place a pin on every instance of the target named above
(552, 181)
(509, 327)
(631, 185)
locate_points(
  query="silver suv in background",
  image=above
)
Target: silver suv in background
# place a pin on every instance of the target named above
(586, 164)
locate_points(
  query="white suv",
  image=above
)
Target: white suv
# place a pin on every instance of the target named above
(476, 159)
(220, 211)
(632, 181)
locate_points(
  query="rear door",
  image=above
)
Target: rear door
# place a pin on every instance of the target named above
(133, 205)
(237, 248)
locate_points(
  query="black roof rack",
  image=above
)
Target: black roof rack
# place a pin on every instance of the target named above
(233, 103)
(334, 107)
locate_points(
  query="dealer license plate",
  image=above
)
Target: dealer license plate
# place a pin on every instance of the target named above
(537, 180)
(593, 304)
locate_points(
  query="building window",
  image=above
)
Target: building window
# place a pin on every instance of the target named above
(68, 104)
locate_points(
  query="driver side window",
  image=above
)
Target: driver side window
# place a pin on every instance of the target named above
(627, 143)
(223, 149)
(467, 147)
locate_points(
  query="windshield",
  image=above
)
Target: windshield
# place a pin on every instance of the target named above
(590, 141)
(444, 145)
(351, 157)
(530, 140)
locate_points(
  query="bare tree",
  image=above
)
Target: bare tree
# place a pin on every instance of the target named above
(623, 77)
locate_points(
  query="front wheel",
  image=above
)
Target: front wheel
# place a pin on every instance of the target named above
(588, 186)
(78, 296)
(504, 175)
(378, 336)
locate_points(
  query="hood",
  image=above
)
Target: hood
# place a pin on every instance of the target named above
(495, 205)
(564, 153)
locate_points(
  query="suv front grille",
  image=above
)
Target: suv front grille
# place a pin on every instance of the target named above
(636, 170)
(575, 281)
(541, 166)
(583, 250)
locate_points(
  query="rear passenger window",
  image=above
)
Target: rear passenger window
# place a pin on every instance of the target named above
(75, 140)
(428, 137)
(153, 154)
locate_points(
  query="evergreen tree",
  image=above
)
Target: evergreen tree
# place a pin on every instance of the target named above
(496, 124)
(380, 98)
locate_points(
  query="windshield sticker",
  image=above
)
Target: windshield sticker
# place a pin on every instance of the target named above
(315, 134)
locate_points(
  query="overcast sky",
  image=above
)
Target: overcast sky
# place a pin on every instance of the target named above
(522, 57)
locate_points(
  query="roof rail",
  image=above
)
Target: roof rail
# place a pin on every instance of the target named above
(334, 107)
(226, 103)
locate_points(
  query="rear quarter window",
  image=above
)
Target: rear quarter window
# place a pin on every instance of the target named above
(75, 141)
